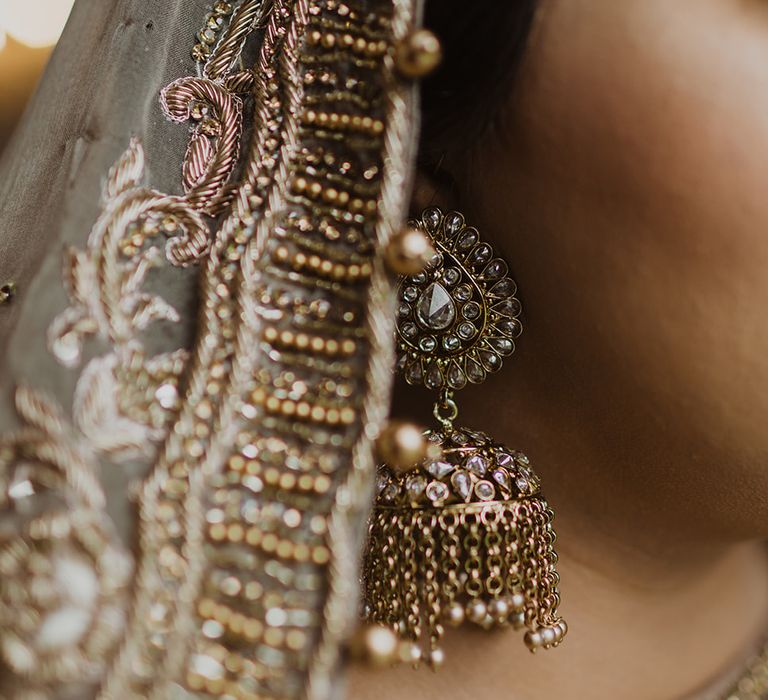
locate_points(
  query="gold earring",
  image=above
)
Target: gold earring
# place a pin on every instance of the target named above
(467, 535)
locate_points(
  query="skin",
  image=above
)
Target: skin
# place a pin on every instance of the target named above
(627, 185)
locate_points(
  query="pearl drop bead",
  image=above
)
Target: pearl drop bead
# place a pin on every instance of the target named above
(414, 653)
(409, 252)
(454, 615)
(376, 644)
(436, 658)
(517, 602)
(517, 620)
(499, 610)
(418, 54)
(402, 446)
(477, 611)
(548, 636)
(533, 640)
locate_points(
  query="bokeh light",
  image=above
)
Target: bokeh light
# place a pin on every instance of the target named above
(28, 31)
(36, 23)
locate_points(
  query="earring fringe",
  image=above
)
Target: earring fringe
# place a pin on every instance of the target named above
(468, 537)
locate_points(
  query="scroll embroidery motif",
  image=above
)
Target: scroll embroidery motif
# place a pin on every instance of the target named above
(64, 575)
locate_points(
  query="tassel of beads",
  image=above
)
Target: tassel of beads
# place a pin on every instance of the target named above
(490, 564)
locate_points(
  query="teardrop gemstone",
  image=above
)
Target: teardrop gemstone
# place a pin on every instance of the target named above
(440, 468)
(501, 477)
(433, 377)
(456, 377)
(435, 309)
(462, 483)
(414, 373)
(431, 217)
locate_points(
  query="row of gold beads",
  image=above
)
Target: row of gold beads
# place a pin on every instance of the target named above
(341, 272)
(359, 45)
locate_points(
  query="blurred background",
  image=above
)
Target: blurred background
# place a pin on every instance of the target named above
(29, 29)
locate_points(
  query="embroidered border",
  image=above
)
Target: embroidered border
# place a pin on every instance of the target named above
(250, 519)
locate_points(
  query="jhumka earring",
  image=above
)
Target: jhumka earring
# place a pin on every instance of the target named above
(466, 534)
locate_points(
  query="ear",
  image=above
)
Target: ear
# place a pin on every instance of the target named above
(430, 190)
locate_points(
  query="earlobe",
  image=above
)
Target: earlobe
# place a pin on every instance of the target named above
(432, 190)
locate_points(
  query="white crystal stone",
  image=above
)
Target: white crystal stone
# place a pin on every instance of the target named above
(451, 276)
(501, 477)
(21, 489)
(67, 349)
(477, 464)
(462, 483)
(439, 469)
(437, 491)
(435, 309)
(22, 484)
(206, 666)
(522, 484)
(77, 581)
(78, 588)
(158, 613)
(390, 492)
(415, 486)
(276, 617)
(213, 629)
(167, 395)
(485, 490)
(63, 627)
(17, 654)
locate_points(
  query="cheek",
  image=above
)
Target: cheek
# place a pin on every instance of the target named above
(636, 181)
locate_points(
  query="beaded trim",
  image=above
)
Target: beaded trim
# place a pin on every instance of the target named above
(251, 518)
(287, 393)
(753, 684)
(64, 575)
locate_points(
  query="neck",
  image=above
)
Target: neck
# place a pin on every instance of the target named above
(654, 610)
(638, 633)
(633, 638)
(632, 635)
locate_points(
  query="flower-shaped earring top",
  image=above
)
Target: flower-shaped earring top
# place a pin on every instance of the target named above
(459, 317)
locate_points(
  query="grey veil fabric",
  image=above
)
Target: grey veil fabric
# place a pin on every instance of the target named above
(198, 358)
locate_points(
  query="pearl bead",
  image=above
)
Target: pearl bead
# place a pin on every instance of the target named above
(375, 644)
(517, 620)
(418, 54)
(548, 636)
(454, 615)
(409, 251)
(477, 611)
(517, 602)
(402, 446)
(499, 610)
(436, 658)
(533, 640)
(488, 623)
(410, 653)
